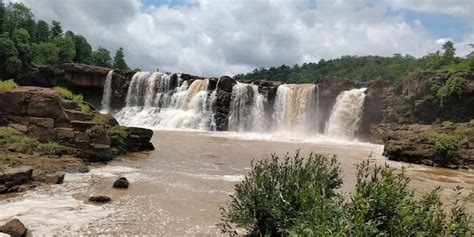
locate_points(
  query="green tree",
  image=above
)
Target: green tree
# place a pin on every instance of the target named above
(448, 53)
(119, 59)
(42, 31)
(45, 53)
(56, 29)
(17, 15)
(21, 38)
(2, 16)
(102, 58)
(67, 50)
(9, 62)
(83, 50)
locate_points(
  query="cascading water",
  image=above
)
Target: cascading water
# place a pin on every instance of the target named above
(346, 114)
(106, 96)
(296, 107)
(151, 102)
(246, 109)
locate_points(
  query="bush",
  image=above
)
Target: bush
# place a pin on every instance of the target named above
(276, 193)
(7, 85)
(97, 130)
(449, 143)
(454, 86)
(100, 118)
(79, 99)
(120, 131)
(11, 136)
(63, 92)
(297, 196)
(53, 148)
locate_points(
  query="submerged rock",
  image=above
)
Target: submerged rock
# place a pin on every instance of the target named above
(100, 199)
(55, 178)
(121, 183)
(14, 228)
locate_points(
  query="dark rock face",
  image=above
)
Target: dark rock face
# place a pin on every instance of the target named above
(224, 95)
(12, 178)
(139, 139)
(100, 199)
(14, 228)
(409, 143)
(121, 183)
(120, 82)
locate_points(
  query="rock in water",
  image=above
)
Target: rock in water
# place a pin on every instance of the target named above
(121, 183)
(100, 199)
(14, 228)
(55, 178)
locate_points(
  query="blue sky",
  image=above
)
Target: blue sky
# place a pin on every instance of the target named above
(216, 37)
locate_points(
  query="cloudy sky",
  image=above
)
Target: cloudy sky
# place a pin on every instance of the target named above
(216, 37)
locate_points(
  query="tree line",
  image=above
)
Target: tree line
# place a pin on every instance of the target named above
(26, 44)
(365, 68)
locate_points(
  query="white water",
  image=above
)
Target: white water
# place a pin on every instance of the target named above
(106, 96)
(346, 114)
(246, 109)
(153, 103)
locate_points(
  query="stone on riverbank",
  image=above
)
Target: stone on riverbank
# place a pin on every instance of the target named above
(121, 183)
(14, 228)
(99, 199)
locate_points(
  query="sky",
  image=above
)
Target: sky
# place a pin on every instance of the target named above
(225, 37)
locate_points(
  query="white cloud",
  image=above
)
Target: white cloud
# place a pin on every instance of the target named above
(215, 37)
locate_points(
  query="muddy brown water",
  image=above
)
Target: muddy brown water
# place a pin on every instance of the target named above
(178, 188)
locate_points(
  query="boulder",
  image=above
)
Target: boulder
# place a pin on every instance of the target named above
(12, 178)
(100, 199)
(55, 178)
(139, 139)
(226, 83)
(14, 228)
(121, 183)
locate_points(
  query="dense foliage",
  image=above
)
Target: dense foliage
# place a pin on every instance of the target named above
(296, 196)
(26, 44)
(365, 68)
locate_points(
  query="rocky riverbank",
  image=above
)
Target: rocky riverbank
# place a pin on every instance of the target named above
(48, 133)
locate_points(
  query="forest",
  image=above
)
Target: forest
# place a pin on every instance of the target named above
(26, 44)
(365, 68)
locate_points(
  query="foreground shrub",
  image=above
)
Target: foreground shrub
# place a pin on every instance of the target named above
(7, 85)
(277, 192)
(297, 196)
(63, 92)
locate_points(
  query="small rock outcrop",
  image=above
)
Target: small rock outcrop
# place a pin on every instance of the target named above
(121, 183)
(14, 228)
(11, 179)
(99, 199)
(448, 145)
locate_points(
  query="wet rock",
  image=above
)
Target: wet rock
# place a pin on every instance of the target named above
(139, 139)
(100, 199)
(12, 178)
(55, 178)
(121, 183)
(14, 228)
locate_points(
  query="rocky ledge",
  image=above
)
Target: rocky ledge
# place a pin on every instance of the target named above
(42, 114)
(448, 145)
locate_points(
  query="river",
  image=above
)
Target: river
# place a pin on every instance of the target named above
(178, 188)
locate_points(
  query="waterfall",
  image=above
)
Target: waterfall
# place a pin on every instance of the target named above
(246, 109)
(106, 95)
(151, 102)
(346, 114)
(296, 107)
